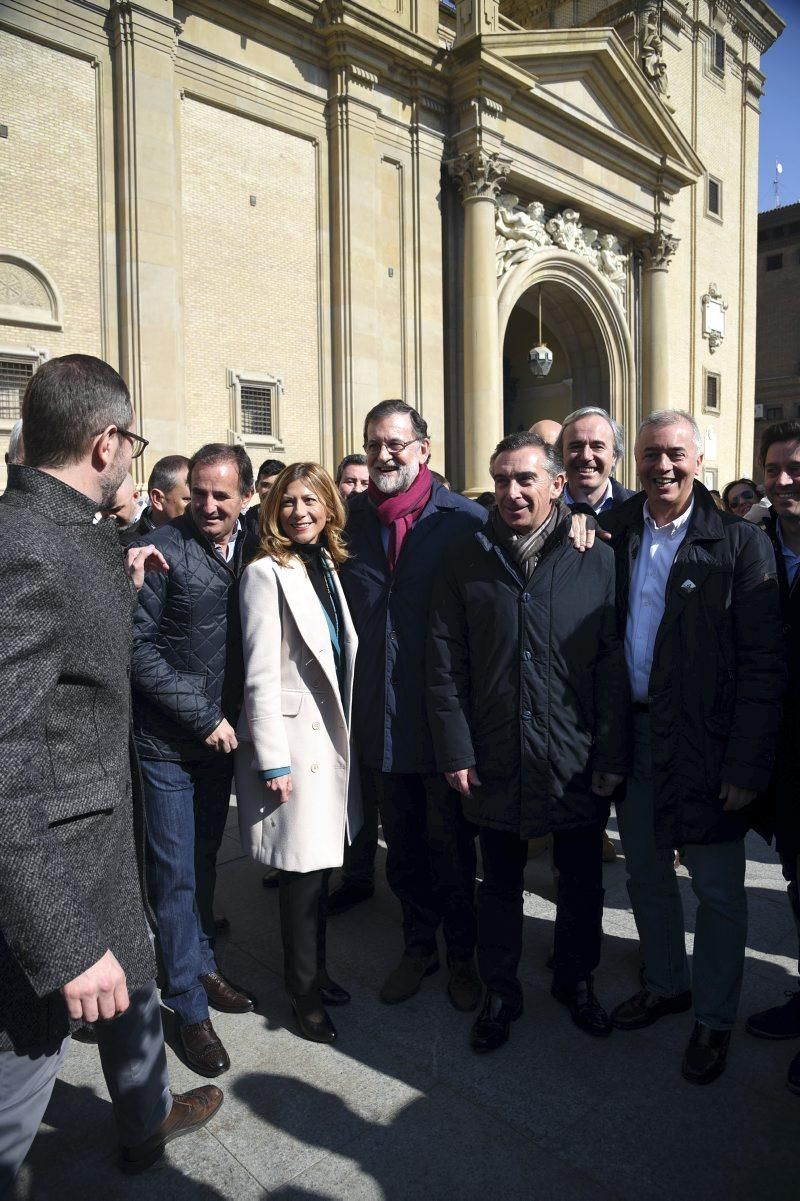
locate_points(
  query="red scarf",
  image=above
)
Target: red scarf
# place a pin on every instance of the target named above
(401, 510)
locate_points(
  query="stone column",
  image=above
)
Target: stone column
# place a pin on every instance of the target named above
(657, 252)
(481, 177)
(144, 41)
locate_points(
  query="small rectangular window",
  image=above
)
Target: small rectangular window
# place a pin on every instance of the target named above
(719, 53)
(712, 392)
(774, 262)
(713, 196)
(774, 412)
(255, 408)
(257, 402)
(14, 376)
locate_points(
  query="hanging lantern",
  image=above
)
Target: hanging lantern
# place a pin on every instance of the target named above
(540, 357)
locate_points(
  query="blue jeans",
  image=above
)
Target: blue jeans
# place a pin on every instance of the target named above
(186, 806)
(717, 871)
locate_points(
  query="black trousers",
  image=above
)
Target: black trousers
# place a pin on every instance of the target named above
(302, 898)
(430, 861)
(358, 868)
(578, 856)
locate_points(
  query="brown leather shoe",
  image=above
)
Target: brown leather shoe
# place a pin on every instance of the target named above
(223, 996)
(203, 1049)
(189, 1112)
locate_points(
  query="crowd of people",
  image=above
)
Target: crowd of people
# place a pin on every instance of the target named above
(373, 650)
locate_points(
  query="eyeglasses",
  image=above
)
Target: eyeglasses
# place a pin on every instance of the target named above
(138, 443)
(394, 446)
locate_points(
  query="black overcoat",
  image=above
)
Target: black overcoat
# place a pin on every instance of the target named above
(527, 681)
(69, 876)
(719, 668)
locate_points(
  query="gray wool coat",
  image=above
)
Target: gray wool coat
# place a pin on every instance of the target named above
(69, 872)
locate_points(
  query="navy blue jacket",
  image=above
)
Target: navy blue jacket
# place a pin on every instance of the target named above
(187, 670)
(390, 613)
(527, 681)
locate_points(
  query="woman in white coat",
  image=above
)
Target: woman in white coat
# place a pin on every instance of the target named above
(296, 777)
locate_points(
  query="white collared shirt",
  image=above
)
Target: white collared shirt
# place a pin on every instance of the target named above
(604, 503)
(647, 596)
(791, 561)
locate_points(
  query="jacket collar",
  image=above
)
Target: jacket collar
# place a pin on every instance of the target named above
(486, 537)
(705, 525)
(29, 488)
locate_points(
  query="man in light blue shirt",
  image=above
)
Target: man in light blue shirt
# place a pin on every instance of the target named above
(591, 445)
(697, 603)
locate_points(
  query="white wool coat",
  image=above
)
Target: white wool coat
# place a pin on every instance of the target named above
(294, 716)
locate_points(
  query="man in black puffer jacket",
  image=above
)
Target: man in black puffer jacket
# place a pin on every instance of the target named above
(187, 692)
(528, 708)
(698, 608)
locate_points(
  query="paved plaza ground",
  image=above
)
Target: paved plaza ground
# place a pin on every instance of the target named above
(401, 1109)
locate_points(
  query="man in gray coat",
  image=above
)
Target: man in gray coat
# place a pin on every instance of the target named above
(74, 944)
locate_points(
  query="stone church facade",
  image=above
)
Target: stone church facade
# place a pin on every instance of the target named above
(270, 214)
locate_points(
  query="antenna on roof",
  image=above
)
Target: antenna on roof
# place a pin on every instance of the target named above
(776, 184)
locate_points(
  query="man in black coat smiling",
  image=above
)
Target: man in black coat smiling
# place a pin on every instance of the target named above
(528, 706)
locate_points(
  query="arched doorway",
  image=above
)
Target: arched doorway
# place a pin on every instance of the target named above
(586, 328)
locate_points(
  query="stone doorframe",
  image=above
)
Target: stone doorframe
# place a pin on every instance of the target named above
(557, 266)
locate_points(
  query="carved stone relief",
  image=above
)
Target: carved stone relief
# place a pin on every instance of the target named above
(651, 55)
(480, 174)
(26, 295)
(713, 317)
(521, 232)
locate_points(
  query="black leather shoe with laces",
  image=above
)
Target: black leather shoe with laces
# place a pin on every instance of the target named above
(586, 1010)
(492, 1025)
(704, 1058)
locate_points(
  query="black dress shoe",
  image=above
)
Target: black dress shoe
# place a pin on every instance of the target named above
(704, 1058)
(203, 1049)
(646, 1007)
(492, 1024)
(331, 992)
(223, 996)
(347, 896)
(782, 1021)
(313, 1022)
(190, 1111)
(586, 1010)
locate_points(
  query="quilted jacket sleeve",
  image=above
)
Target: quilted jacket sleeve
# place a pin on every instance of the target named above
(48, 931)
(154, 677)
(261, 617)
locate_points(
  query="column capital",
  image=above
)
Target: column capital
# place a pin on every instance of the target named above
(479, 174)
(657, 250)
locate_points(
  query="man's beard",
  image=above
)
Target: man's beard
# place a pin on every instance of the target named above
(395, 481)
(111, 479)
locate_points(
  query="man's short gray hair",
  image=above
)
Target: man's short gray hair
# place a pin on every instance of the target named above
(593, 411)
(664, 417)
(16, 447)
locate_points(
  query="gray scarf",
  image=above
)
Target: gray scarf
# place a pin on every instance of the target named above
(526, 549)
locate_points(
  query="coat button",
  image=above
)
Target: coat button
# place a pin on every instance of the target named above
(315, 767)
(526, 715)
(315, 725)
(526, 596)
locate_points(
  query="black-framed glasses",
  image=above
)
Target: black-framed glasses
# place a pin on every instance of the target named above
(138, 443)
(394, 446)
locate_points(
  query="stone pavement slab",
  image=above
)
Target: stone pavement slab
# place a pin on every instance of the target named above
(401, 1109)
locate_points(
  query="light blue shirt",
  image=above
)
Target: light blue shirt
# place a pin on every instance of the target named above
(791, 561)
(605, 503)
(647, 596)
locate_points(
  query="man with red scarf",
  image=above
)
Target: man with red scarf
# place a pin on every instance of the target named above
(397, 532)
